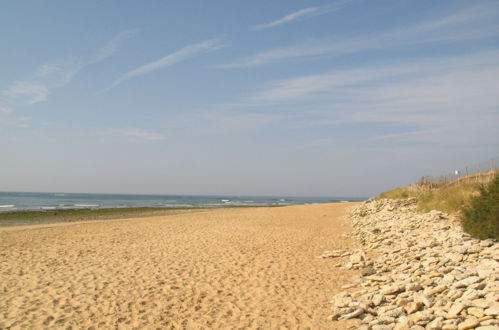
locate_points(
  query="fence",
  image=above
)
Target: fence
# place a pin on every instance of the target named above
(478, 173)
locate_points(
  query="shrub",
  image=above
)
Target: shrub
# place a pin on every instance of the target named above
(481, 217)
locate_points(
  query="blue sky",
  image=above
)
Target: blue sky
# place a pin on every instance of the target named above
(318, 98)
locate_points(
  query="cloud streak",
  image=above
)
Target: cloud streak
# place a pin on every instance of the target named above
(301, 15)
(53, 75)
(451, 99)
(473, 23)
(171, 59)
(379, 77)
(140, 134)
(112, 46)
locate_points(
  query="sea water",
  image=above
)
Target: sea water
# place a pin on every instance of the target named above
(30, 201)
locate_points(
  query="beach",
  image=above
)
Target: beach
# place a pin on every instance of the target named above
(212, 269)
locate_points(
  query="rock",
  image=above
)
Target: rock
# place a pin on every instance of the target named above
(427, 301)
(450, 324)
(338, 312)
(417, 327)
(420, 318)
(490, 322)
(331, 254)
(436, 324)
(487, 242)
(357, 258)
(352, 315)
(381, 327)
(492, 311)
(368, 271)
(448, 278)
(477, 312)
(403, 323)
(394, 289)
(377, 278)
(415, 251)
(413, 307)
(455, 257)
(394, 312)
(386, 319)
(413, 287)
(435, 290)
(455, 294)
(454, 310)
(401, 302)
(378, 299)
(467, 282)
(469, 323)
(342, 300)
(480, 303)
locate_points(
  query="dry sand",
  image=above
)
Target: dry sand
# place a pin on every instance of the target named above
(218, 269)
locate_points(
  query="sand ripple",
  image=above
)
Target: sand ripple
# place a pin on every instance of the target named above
(229, 268)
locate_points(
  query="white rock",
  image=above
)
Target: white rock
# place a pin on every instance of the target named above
(455, 310)
(354, 314)
(469, 323)
(467, 282)
(492, 311)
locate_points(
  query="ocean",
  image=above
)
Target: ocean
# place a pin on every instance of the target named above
(29, 201)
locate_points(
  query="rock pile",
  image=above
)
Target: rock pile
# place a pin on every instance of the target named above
(419, 271)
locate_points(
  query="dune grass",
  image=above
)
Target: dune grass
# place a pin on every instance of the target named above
(477, 205)
(398, 193)
(450, 198)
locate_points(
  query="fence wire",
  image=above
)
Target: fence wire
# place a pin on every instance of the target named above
(480, 173)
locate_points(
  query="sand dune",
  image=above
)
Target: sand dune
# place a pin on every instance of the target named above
(225, 268)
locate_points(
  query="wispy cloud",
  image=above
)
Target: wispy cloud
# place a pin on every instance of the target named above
(40, 84)
(379, 77)
(473, 23)
(173, 58)
(56, 74)
(140, 134)
(26, 92)
(450, 98)
(301, 15)
(4, 110)
(409, 134)
(15, 121)
(112, 46)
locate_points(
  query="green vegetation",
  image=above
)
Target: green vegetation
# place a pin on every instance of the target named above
(481, 217)
(446, 198)
(450, 199)
(38, 217)
(398, 193)
(477, 205)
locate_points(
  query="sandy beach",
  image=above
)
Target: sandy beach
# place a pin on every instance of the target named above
(224, 268)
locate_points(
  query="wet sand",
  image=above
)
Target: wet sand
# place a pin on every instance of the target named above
(218, 269)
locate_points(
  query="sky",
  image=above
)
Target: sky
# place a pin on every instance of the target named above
(288, 97)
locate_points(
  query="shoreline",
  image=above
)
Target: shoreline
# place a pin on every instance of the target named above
(28, 218)
(49, 216)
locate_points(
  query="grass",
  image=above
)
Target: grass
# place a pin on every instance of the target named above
(39, 217)
(398, 193)
(477, 205)
(450, 198)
